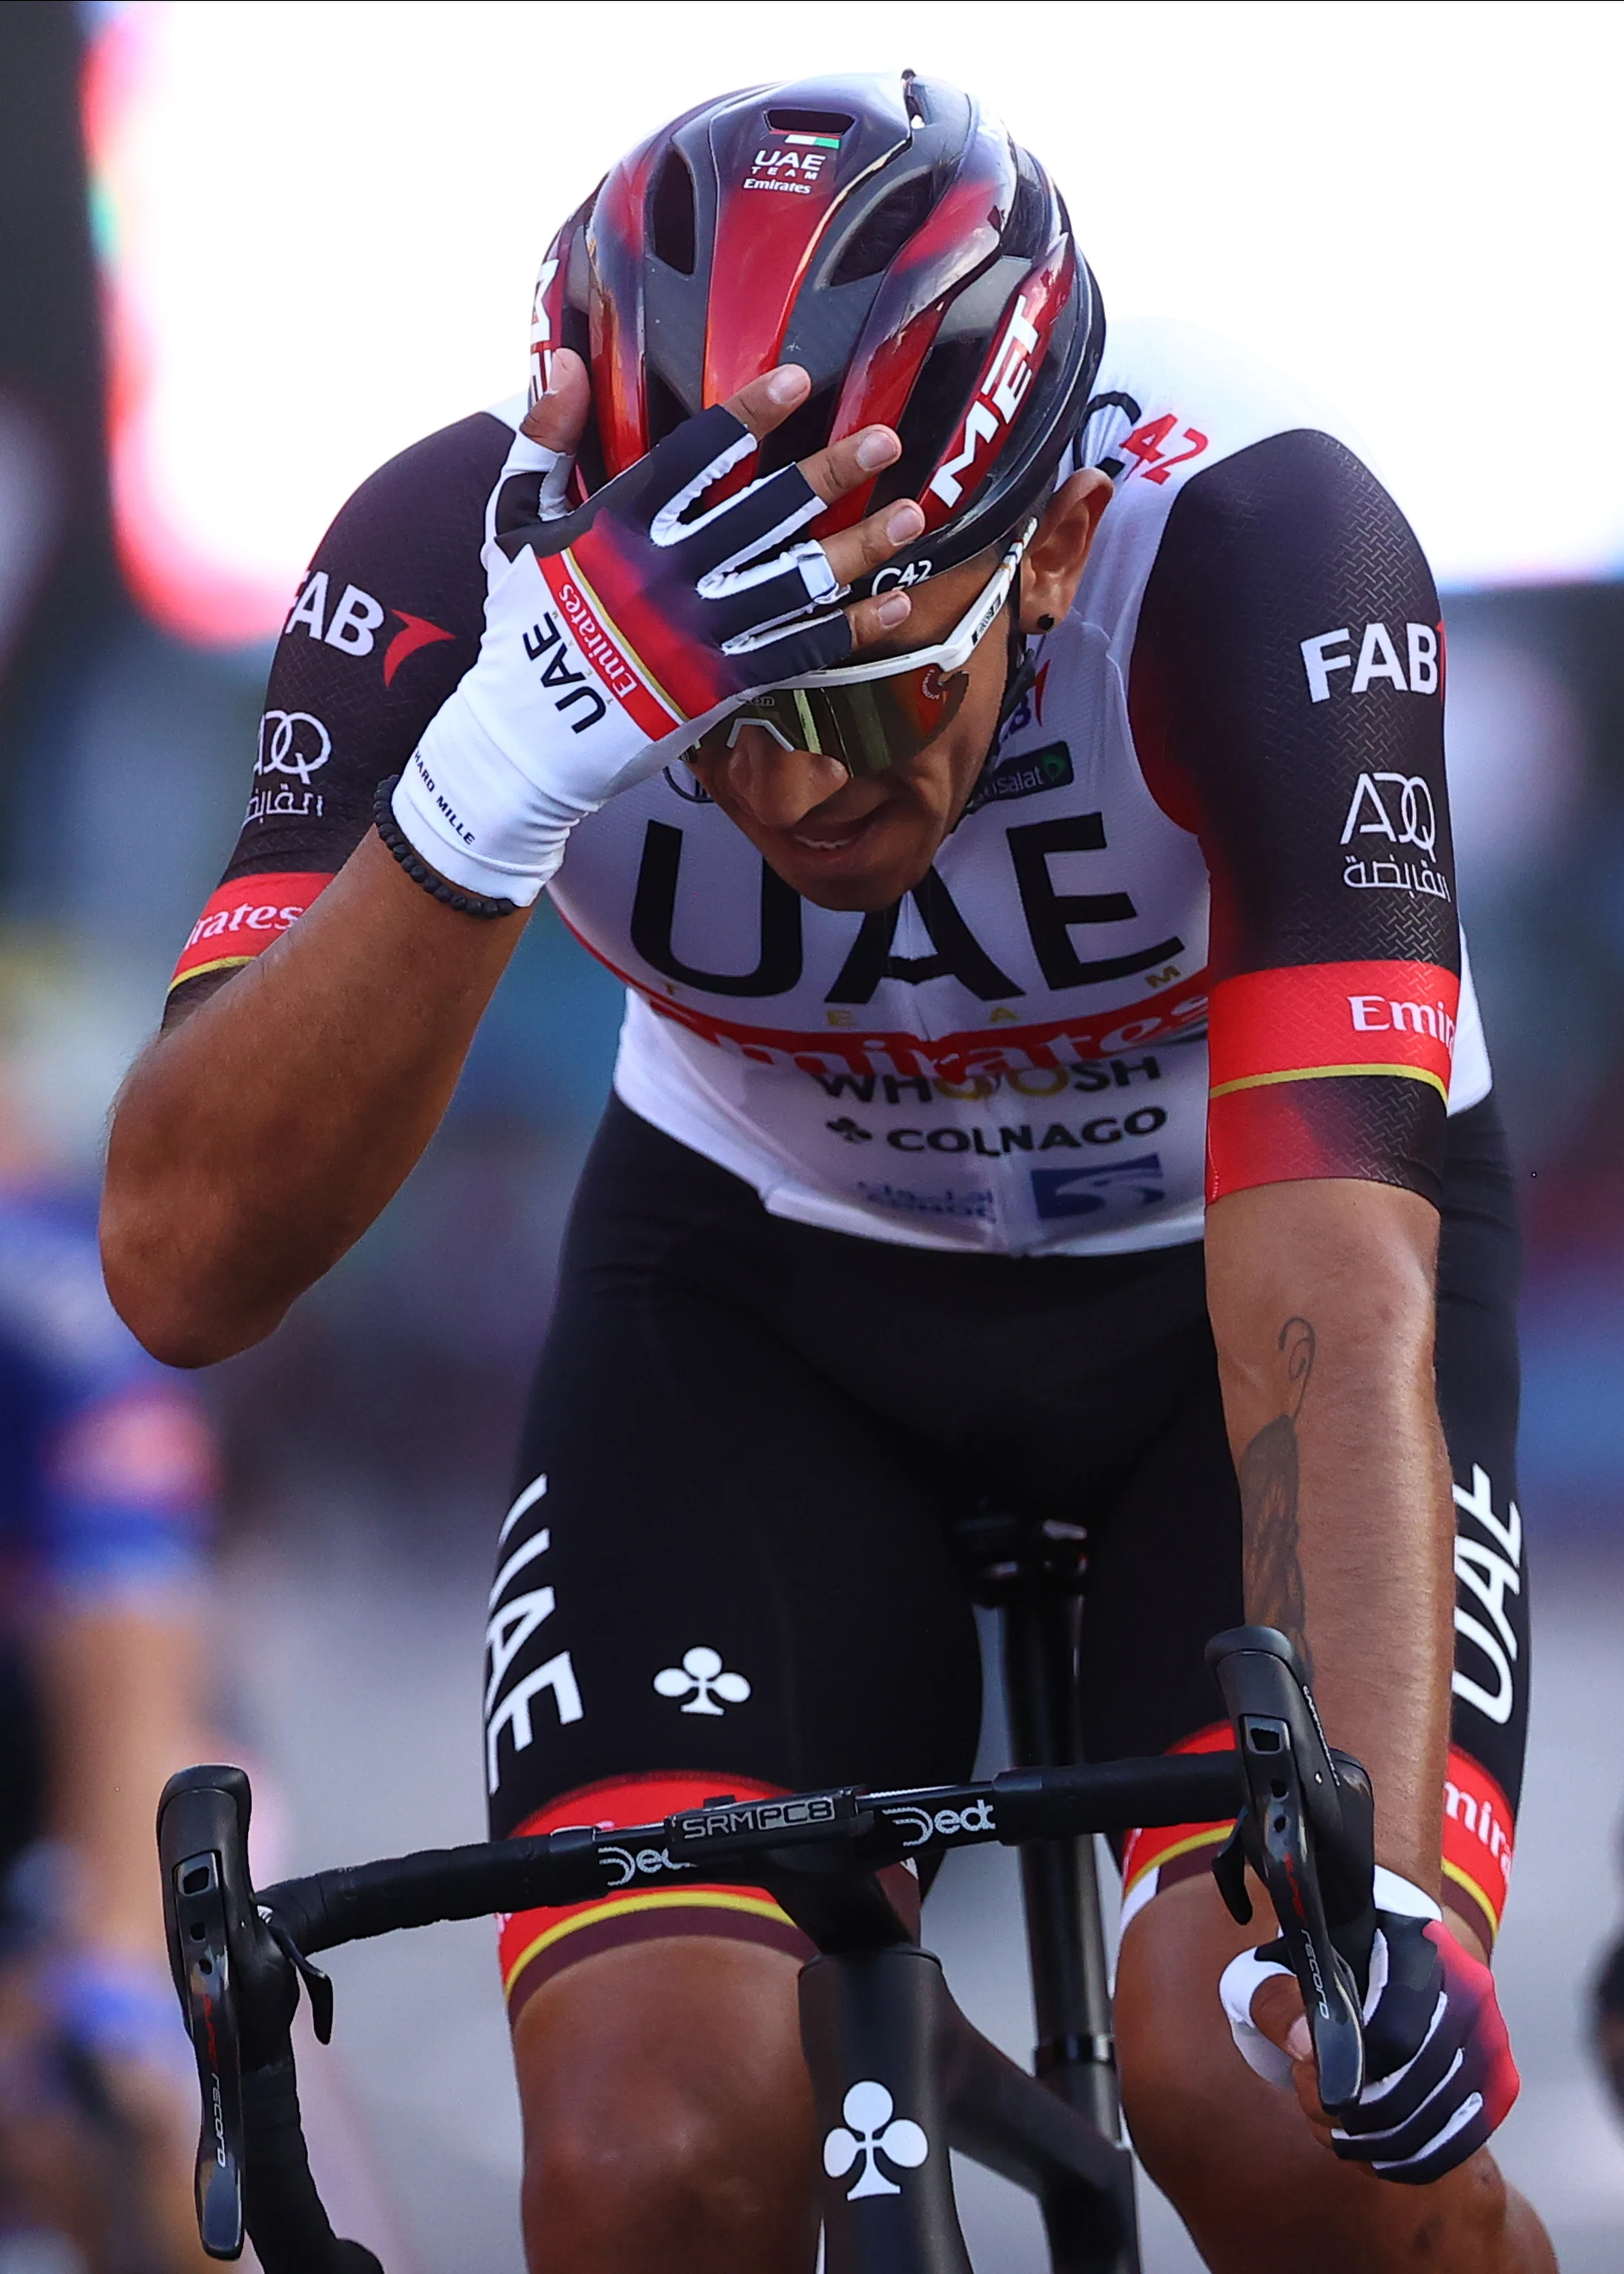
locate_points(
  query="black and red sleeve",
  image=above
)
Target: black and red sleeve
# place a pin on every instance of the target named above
(387, 620)
(1286, 698)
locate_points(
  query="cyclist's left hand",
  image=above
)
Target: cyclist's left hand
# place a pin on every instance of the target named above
(1439, 2073)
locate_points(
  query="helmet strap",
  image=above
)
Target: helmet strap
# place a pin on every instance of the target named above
(1019, 677)
(1020, 673)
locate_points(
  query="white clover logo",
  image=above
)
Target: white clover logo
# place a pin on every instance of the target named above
(868, 2110)
(702, 1673)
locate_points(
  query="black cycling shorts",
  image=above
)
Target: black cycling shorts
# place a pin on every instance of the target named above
(727, 1567)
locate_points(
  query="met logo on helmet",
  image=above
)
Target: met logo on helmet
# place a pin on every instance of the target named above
(542, 342)
(1004, 385)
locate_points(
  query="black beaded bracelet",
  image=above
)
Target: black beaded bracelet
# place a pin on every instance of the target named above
(466, 904)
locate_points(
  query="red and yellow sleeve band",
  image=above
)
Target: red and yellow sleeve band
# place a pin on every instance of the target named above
(1271, 1032)
(1479, 1834)
(243, 917)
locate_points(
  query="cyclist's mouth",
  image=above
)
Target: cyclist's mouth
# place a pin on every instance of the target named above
(827, 841)
(830, 847)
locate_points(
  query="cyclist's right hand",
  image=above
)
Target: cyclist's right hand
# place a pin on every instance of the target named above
(616, 632)
(1440, 2075)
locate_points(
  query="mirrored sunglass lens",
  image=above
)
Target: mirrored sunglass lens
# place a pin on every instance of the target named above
(869, 727)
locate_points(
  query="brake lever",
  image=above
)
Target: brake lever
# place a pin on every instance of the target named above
(1306, 1832)
(1230, 1871)
(238, 1986)
(203, 1849)
(317, 1985)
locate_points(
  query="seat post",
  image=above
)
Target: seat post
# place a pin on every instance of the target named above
(1060, 1888)
(1031, 1570)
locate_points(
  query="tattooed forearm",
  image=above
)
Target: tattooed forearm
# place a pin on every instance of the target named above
(1268, 1472)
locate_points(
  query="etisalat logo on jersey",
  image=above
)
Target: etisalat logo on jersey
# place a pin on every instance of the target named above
(1022, 774)
(792, 162)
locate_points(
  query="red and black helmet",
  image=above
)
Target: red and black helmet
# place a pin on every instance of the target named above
(884, 233)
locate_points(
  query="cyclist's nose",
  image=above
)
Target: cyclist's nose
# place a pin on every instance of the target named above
(780, 786)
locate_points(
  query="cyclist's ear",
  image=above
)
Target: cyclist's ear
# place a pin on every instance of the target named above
(557, 421)
(1055, 557)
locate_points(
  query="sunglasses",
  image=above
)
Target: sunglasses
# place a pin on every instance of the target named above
(872, 715)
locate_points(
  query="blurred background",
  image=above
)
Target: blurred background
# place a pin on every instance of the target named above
(248, 251)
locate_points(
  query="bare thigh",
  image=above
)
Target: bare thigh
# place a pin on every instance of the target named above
(1236, 2155)
(668, 2121)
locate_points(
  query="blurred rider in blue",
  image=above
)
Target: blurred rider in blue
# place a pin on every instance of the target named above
(108, 1474)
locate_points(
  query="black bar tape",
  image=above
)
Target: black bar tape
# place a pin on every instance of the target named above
(359, 1900)
(1116, 1795)
(287, 2225)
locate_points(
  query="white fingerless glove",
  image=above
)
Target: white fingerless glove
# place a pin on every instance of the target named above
(1439, 2073)
(1243, 1977)
(614, 636)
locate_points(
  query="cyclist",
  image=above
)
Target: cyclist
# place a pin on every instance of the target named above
(1006, 767)
(109, 1474)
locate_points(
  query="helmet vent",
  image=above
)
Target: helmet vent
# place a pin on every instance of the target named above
(671, 222)
(803, 432)
(1026, 230)
(810, 122)
(942, 394)
(663, 410)
(876, 241)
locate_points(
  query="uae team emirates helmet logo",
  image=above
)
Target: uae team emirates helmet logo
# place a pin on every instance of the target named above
(796, 164)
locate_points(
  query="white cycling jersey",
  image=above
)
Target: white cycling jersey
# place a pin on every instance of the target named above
(930, 1081)
(1245, 700)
